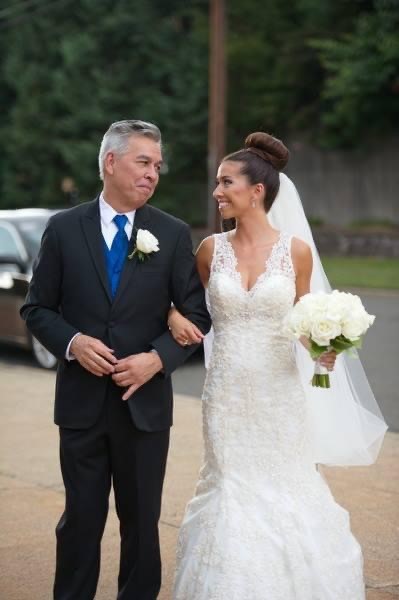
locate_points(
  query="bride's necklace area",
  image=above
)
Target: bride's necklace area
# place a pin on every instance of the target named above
(248, 280)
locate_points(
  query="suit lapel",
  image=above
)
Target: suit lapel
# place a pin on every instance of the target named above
(91, 224)
(141, 220)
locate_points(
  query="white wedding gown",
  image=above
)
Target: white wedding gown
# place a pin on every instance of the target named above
(263, 524)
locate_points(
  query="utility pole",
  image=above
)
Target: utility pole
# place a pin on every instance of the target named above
(217, 104)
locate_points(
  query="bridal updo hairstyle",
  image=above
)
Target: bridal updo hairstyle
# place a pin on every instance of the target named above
(262, 157)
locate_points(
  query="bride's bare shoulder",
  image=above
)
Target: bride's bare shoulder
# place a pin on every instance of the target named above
(300, 247)
(203, 257)
(206, 247)
(301, 253)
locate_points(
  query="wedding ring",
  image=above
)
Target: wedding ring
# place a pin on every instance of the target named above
(185, 343)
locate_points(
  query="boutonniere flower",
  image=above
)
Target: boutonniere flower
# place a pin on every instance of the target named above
(146, 244)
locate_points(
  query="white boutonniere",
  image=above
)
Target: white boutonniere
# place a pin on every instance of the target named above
(146, 244)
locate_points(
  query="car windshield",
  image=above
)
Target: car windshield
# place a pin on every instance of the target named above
(32, 230)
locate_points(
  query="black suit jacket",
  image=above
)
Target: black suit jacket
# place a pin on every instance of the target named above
(69, 293)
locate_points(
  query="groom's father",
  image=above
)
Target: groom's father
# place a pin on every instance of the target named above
(103, 313)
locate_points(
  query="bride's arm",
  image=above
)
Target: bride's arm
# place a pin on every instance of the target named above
(182, 329)
(303, 264)
(204, 259)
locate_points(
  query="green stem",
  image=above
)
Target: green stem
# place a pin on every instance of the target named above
(322, 381)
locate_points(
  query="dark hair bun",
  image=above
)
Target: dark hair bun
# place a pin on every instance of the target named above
(269, 148)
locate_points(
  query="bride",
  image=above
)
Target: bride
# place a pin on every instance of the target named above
(263, 524)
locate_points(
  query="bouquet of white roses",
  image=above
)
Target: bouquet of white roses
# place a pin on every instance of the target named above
(333, 321)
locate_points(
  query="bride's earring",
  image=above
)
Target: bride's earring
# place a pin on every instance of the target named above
(253, 204)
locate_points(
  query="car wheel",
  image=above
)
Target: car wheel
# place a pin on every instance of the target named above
(43, 357)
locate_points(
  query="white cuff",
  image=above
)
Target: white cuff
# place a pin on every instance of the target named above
(68, 354)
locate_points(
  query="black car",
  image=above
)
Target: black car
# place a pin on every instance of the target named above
(20, 234)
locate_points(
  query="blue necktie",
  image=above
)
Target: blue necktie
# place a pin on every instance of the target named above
(117, 254)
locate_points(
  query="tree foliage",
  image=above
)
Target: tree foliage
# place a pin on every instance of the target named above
(360, 95)
(75, 69)
(325, 69)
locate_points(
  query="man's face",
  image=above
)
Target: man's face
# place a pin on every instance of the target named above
(133, 176)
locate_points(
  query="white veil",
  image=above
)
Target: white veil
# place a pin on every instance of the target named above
(345, 423)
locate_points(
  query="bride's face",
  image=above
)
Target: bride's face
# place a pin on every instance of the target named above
(234, 193)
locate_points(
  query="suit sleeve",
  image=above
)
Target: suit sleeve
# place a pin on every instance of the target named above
(188, 296)
(41, 309)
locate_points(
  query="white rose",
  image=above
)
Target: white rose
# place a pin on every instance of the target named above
(338, 307)
(299, 322)
(317, 302)
(353, 300)
(146, 242)
(324, 330)
(357, 324)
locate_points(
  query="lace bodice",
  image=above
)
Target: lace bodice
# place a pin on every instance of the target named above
(270, 297)
(251, 320)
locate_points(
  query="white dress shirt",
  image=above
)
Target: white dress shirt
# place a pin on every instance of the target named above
(109, 230)
(108, 227)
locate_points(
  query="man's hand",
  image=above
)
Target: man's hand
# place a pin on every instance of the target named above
(93, 355)
(134, 371)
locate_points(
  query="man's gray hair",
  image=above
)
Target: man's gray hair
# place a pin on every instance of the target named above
(116, 139)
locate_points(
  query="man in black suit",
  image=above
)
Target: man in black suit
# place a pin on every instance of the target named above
(104, 316)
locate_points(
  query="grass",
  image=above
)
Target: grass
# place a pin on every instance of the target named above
(365, 271)
(371, 224)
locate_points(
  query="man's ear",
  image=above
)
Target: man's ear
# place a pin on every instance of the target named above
(109, 163)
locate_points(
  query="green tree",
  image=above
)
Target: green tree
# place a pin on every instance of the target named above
(75, 69)
(327, 70)
(360, 95)
(275, 73)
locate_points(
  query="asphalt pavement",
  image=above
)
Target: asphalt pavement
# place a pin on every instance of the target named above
(32, 496)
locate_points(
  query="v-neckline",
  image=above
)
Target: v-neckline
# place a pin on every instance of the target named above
(266, 263)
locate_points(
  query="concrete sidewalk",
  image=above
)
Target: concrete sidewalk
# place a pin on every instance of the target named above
(31, 495)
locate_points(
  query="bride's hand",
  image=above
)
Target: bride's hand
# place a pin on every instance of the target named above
(183, 330)
(327, 359)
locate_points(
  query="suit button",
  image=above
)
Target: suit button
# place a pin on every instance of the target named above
(111, 324)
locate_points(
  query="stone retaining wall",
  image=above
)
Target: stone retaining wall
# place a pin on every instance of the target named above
(334, 241)
(341, 242)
